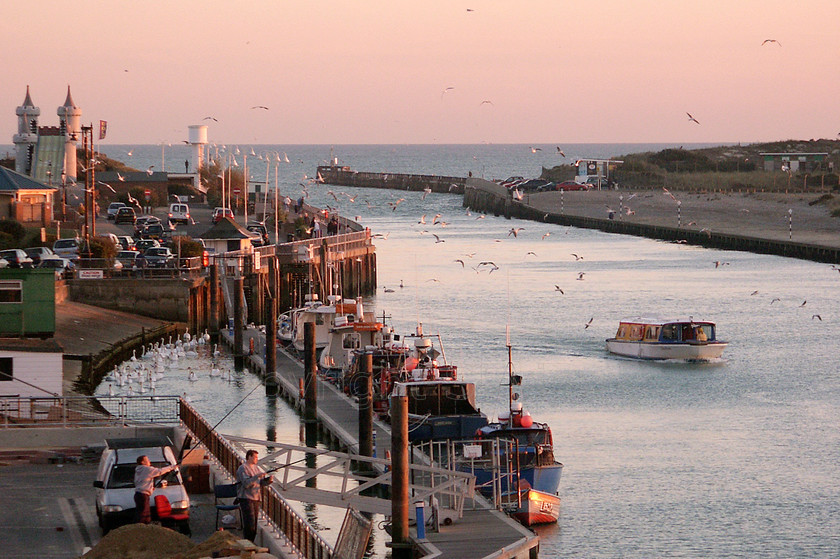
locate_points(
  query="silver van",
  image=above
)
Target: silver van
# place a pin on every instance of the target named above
(114, 483)
(179, 213)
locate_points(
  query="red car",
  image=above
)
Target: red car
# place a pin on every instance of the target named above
(219, 213)
(572, 185)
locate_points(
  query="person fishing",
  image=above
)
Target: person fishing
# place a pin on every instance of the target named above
(250, 478)
(144, 485)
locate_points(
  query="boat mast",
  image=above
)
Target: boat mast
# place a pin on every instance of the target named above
(510, 385)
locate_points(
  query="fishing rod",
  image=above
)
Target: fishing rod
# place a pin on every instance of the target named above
(213, 428)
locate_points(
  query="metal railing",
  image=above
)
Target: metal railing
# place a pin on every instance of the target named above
(280, 514)
(57, 411)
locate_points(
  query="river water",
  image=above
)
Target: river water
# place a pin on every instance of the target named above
(737, 457)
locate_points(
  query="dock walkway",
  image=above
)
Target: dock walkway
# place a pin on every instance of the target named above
(482, 532)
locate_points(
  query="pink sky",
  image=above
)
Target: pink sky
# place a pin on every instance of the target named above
(555, 71)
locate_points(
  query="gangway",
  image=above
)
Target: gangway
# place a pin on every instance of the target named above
(357, 478)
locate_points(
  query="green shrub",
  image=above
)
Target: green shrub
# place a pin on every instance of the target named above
(14, 229)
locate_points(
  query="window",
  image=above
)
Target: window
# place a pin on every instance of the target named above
(11, 291)
(6, 369)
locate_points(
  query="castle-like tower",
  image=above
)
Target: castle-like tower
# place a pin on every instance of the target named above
(27, 136)
(71, 128)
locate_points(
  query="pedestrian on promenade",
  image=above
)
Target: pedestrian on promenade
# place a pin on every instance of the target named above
(144, 485)
(250, 478)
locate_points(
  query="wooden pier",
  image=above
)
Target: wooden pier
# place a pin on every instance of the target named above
(481, 532)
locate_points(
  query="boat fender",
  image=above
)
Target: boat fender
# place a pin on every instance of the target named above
(526, 420)
(478, 434)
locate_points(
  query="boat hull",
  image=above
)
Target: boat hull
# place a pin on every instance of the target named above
(699, 351)
(538, 507)
(543, 478)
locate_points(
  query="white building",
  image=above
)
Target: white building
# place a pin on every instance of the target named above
(30, 368)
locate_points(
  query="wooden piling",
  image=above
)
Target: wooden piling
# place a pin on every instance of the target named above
(271, 385)
(400, 542)
(238, 323)
(310, 367)
(366, 407)
(214, 304)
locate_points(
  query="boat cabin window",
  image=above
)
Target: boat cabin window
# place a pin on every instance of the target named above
(670, 333)
(622, 331)
(636, 332)
(652, 332)
(440, 399)
(351, 341)
(319, 318)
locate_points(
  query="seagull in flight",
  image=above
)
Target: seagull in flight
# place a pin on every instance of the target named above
(765, 41)
(438, 239)
(515, 231)
(485, 102)
(580, 275)
(535, 150)
(445, 91)
(818, 317)
(461, 261)
(577, 257)
(545, 235)
(259, 107)
(588, 324)
(530, 252)
(422, 219)
(692, 119)
(214, 119)
(557, 288)
(111, 188)
(149, 170)
(426, 192)
(803, 303)
(560, 151)
(120, 177)
(774, 300)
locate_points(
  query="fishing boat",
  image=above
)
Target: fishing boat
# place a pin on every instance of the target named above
(651, 338)
(287, 320)
(324, 317)
(348, 338)
(531, 457)
(440, 405)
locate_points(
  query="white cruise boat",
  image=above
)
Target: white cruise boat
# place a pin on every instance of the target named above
(652, 338)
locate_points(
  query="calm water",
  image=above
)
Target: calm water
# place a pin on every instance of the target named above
(733, 458)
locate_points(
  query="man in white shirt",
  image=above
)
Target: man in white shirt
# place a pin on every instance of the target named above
(144, 485)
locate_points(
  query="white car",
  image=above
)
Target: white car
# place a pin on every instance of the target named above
(67, 248)
(114, 481)
(113, 208)
(179, 213)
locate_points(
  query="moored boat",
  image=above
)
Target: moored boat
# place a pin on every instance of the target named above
(324, 317)
(652, 338)
(537, 507)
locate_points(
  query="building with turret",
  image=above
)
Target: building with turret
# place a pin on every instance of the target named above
(47, 153)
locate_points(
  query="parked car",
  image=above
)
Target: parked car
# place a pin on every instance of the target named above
(159, 257)
(16, 258)
(57, 263)
(260, 230)
(143, 221)
(110, 237)
(3, 263)
(125, 215)
(533, 185)
(219, 213)
(179, 213)
(144, 244)
(126, 242)
(113, 207)
(156, 231)
(67, 248)
(571, 185)
(38, 253)
(114, 481)
(128, 258)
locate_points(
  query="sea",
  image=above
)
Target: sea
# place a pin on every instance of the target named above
(739, 457)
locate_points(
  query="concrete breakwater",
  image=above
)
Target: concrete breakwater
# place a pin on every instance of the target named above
(344, 176)
(488, 197)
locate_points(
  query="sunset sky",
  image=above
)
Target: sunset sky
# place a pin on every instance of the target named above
(552, 71)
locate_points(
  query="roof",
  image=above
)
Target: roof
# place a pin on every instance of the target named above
(30, 345)
(805, 153)
(226, 228)
(148, 442)
(660, 321)
(12, 181)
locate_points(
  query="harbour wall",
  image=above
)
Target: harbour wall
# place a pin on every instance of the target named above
(488, 197)
(343, 176)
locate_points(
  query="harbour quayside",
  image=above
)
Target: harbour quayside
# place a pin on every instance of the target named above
(532, 458)
(651, 338)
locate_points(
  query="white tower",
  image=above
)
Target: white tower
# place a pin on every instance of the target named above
(27, 137)
(198, 139)
(70, 116)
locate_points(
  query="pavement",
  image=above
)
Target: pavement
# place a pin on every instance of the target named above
(763, 215)
(49, 510)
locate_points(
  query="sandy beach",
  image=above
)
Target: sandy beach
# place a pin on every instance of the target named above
(761, 215)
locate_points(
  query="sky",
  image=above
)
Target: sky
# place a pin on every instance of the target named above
(431, 71)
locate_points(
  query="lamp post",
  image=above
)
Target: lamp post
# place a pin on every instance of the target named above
(790, 224)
